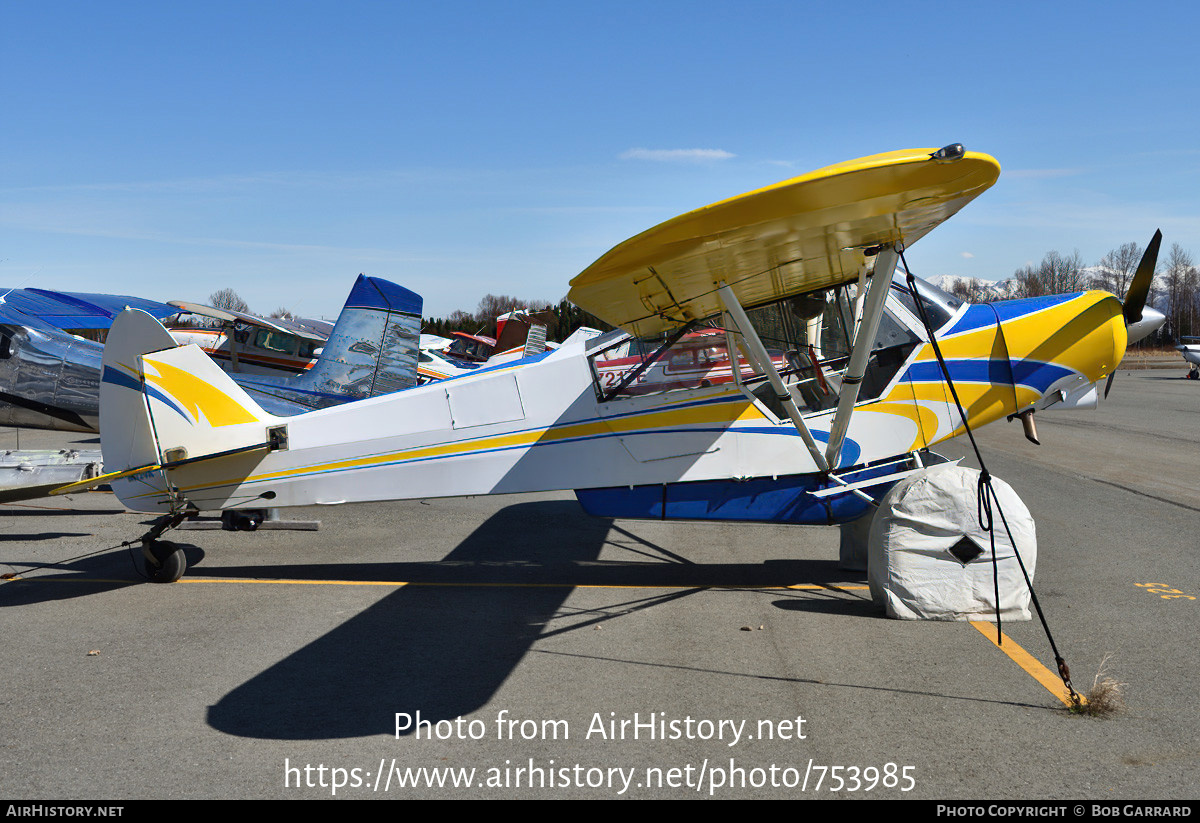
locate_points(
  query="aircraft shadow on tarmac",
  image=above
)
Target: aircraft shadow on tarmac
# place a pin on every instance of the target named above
(41, 582)
(446, 645)
(10, 513)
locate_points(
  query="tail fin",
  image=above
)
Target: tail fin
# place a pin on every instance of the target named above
(535, 342)
(374, 346)
(163, 404)
(523, 329)
(126, 436)
(372, 350)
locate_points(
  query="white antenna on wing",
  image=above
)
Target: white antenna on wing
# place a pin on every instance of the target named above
(21, 284)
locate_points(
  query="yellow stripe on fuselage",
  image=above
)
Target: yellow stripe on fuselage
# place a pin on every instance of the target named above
(925, 419)
(724, 414)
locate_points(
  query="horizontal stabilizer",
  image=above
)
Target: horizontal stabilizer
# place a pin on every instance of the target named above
(101, 479)
(108, 477)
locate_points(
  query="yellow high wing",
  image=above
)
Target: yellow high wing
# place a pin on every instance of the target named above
(803, 234)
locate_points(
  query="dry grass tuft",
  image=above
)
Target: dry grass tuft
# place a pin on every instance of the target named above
(1106, 697)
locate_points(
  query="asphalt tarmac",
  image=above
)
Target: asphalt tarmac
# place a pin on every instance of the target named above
(503, 647)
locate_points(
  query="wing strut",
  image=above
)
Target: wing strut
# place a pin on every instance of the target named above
(860, 350)
(732, 348)
(756, 353)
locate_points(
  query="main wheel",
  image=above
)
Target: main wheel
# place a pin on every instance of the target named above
(242, 520)
(165, 561)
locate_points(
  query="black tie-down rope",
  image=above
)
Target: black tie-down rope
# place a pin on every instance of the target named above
(987, 497)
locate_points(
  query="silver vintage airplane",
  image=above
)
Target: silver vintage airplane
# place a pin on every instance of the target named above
(50, 379)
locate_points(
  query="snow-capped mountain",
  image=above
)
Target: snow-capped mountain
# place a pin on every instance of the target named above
(978, 290)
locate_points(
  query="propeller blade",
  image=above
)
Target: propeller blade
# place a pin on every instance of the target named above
(1108, 385)
(1139, 289)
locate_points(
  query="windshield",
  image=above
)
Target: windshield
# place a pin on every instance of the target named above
(939, 305)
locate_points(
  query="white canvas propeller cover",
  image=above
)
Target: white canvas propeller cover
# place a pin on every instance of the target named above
(930, 559)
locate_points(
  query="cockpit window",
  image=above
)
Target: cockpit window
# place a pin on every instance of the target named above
(275, 341)
(939, 305)
(805, 337)
(697, 358)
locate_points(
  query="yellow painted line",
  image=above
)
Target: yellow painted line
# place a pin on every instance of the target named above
(830, 586)
(400, 583)
(1052, 682)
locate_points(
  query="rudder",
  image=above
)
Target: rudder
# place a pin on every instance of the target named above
(374, 346)
(162, 403)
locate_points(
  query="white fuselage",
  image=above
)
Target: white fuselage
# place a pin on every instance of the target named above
(1190, 352)
(545, 423)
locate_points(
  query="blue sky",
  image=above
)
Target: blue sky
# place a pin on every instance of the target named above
(171, 149)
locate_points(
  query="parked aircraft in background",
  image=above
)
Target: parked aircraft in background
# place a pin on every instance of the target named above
(519, 334)
(50, 357)
(1189, 347)
(265, 345)
(76, 313)
(51, 379)
(247, 344)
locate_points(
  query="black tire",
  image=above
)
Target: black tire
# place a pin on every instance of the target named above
(242, 520)
(166, 561)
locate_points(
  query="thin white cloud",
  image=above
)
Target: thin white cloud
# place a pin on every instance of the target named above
(677, 155)
(966, 255)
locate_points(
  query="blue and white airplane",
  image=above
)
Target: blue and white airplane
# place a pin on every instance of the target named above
(838, 386)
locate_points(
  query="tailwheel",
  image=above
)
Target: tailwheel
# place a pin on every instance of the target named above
(165, 561)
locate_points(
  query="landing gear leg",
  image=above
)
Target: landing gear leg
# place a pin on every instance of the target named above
(165, 561)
